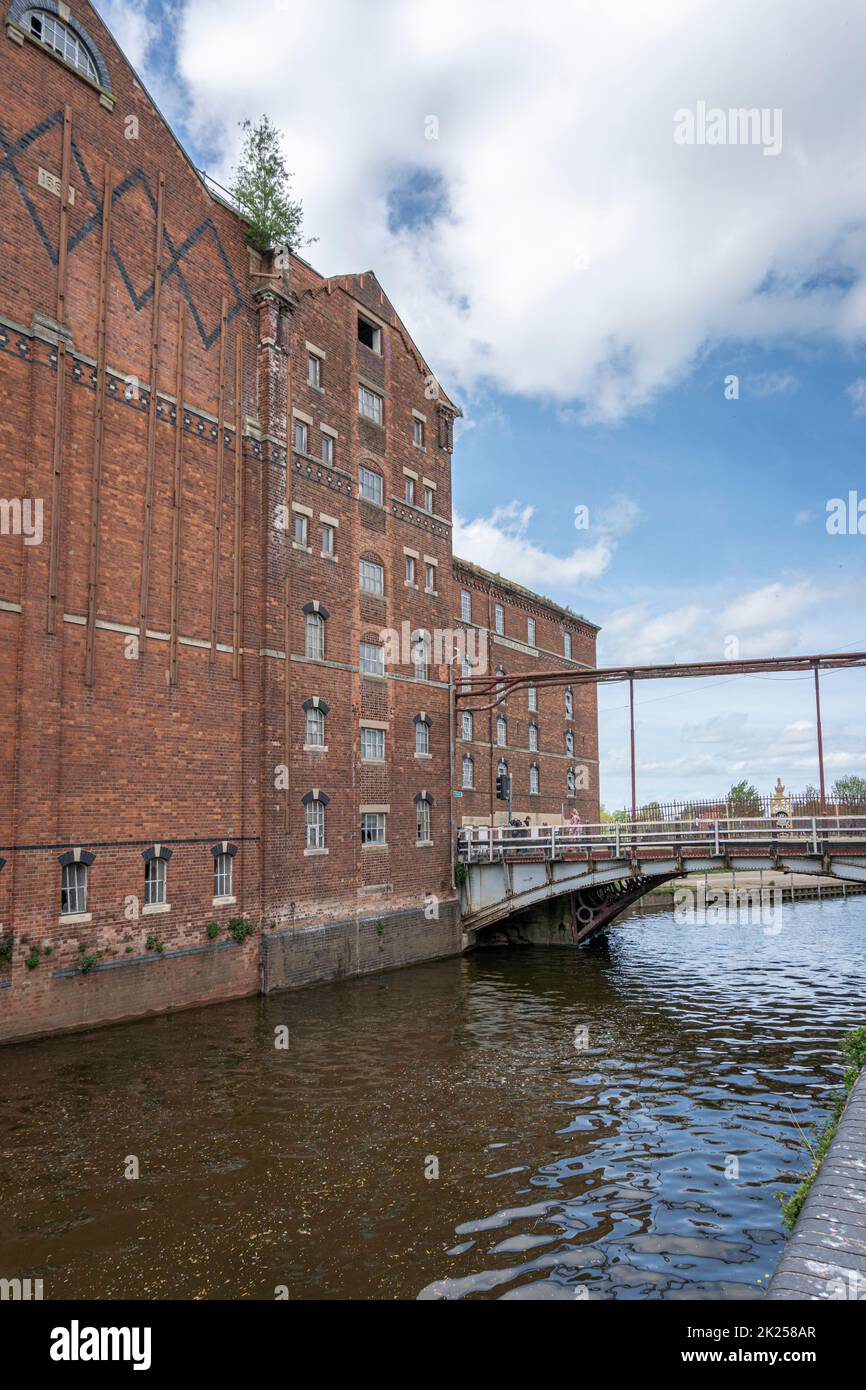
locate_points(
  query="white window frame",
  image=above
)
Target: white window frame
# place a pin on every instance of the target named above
(314, 370)
(314, 646)
(418, 432)
(376, 334)
(328, 449)
(372, 745)
(314, 727)
(530, 632)
(422, 736)
(370, 404)
(468, 772)
(499, 619)
(569, 743)
(63, 41)
(371, 485)
(410, 569)
(465, 606)
(300, 432)
(532, 699)
(429, 578)
(374, 827)
(569, 702)
(223, 875)
(301, 529)
(534, 783)
(501, 731)
(423, 822)
(409, 491)
(533, 738)
(566, 645)
(314, 824)
(329, 539)
(466, 724)
(73, 889)
(369, 667)
(371, 577)
(429, 499)
(155, 882)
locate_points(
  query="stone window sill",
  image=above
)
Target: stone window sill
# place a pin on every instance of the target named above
(315, 747)
(307, 549)
(223, 902)
(74, 918)
(309, 853)
(326, 556)
(423, 844)
(153, 909)
(423, 755)
(374, 846)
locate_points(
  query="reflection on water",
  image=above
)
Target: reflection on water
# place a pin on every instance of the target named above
(562, 1173)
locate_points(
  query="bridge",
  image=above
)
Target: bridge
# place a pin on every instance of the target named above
(603, 869)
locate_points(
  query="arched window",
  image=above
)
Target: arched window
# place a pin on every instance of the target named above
(61, 39)
(223, 870)
(315, 617)
(569, 782)
(423, 818)
(422, 733)
(501, 731)
(466, 726)
(569, 702)
(468, 772)
(500, 686)
(314, 819)
(314, 722)
(533, 738)
(74, 875)
(502, 769)
(533, 780)
(156, 875)
(569, 743)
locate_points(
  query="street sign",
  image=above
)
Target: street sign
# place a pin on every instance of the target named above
(456, 793)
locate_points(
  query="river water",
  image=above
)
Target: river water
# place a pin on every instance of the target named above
(609, 1122)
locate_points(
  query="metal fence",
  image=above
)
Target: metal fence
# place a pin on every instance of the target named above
(796, 804)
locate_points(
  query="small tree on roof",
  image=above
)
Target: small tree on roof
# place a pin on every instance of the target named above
(262, 190)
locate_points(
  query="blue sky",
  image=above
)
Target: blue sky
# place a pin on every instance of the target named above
(585, 285)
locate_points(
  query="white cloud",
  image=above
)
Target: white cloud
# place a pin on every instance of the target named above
(579, 254)
(772, 383)
(500, 542)
(129, 23)
(857, 392)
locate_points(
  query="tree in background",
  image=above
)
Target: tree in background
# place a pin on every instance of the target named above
(851, 788)
(744, 800)
(262, 190)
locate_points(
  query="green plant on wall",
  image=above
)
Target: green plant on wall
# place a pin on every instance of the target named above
(854, 1047)
(240, 929)
(153, 943)
(213, 930)
(32, 960)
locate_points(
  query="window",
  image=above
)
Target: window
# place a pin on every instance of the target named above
(422, 736)
(468, 772)
(420, 655)
(372, 659)
(430, 578)
(314, 727)
(327, 538)
(530, 631)
(314, 824)
(372, 578)
(370, 404)
(55, 34)
(499, 619)
(410, 569)
(429, 498)
(222, 875)
(409, 490)
(533, 780)
(466, 726)
(301, 529)
(300, 435)
(418, 433)
(73, 889)
(500, 685)
(569, 743)
(533, 738)
(154, 882)
(501, 731)
(569, 782)
(569, 703)
(327, 448)
(502, 769)
(369, 334)
(423, 829)
(314, 371)
(465, 606)
(372, 745)
(466, 669)
(371, 485)
(314, 636)
(566, 643)
(531, 699)
(373, 828)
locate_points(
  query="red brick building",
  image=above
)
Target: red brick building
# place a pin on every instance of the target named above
(221, 485)
(544, 738)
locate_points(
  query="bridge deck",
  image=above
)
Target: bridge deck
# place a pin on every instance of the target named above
(825, 1256)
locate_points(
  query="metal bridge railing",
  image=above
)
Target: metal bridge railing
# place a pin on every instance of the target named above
(623, 839)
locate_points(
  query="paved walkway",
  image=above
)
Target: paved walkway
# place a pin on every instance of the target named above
(825, 1256)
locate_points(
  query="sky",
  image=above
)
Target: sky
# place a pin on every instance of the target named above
(645, 307)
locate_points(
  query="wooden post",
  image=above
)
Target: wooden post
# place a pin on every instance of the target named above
(99, 428)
